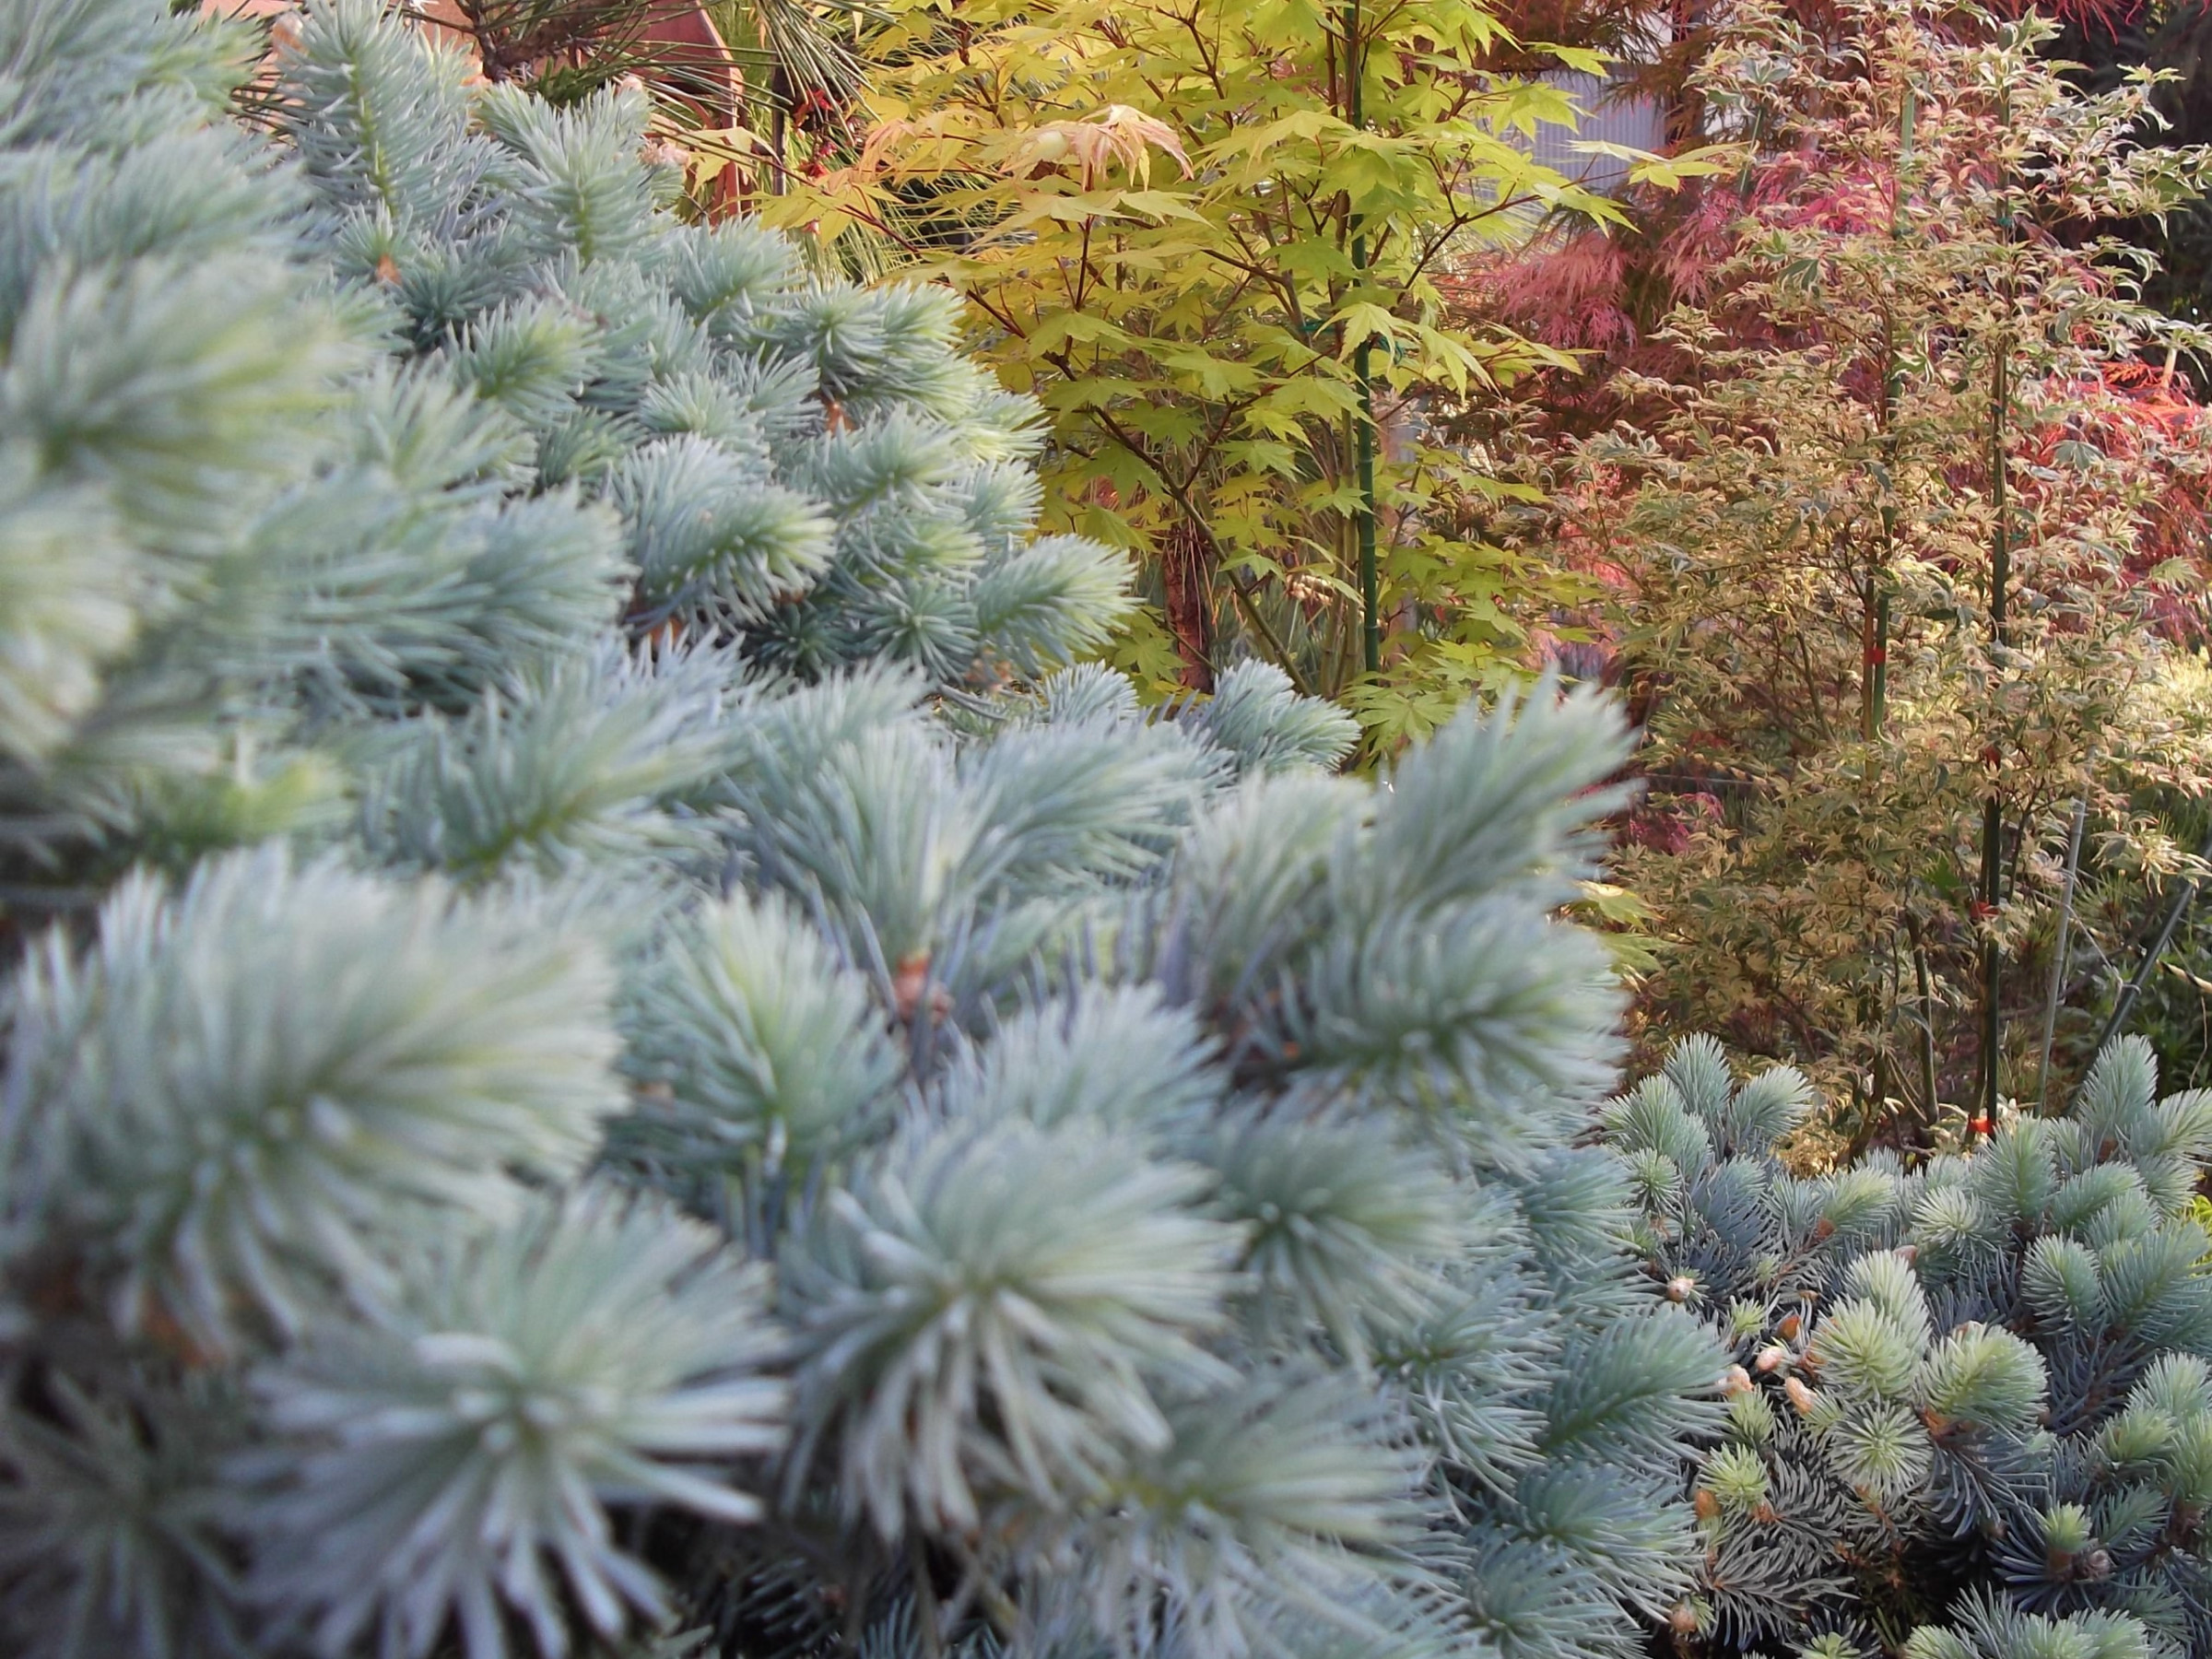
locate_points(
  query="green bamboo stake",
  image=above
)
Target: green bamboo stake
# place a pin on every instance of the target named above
(1877, 702)
(2000, 577)
(1371, 634)
(1893, 385)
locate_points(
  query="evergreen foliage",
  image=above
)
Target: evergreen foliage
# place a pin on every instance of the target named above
(607, 1051)
(1975, 1390)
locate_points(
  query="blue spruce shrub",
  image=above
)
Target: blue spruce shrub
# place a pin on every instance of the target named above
(1970, 1395)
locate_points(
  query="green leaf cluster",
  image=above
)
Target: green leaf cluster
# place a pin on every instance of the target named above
(1215, 242)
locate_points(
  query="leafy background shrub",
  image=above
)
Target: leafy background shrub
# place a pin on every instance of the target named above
(1880, 669)
(1215, 241)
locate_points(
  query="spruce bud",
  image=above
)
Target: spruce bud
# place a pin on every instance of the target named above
(911, 988)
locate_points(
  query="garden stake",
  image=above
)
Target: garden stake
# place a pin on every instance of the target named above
(1370, 626)
(2000, 574)
(1893, 381)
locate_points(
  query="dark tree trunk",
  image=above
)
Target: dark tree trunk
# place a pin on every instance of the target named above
(1186, 566)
